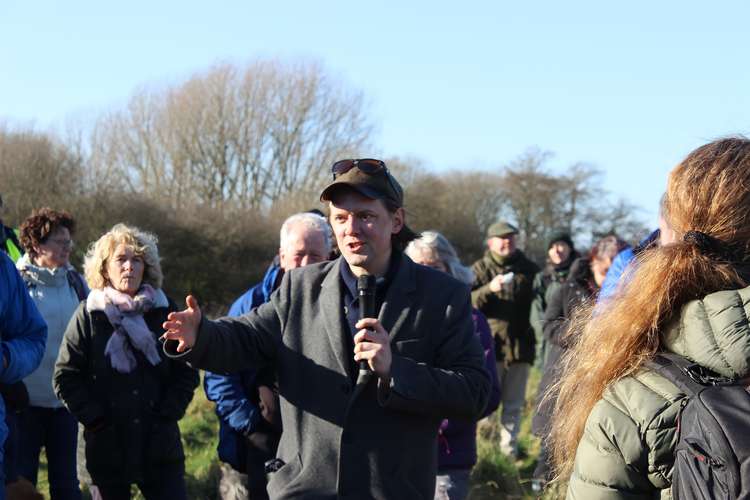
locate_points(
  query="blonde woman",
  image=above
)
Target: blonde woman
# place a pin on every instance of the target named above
(111, 372)
(615, 422)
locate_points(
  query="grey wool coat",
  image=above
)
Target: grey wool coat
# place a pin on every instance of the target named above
(347, 436)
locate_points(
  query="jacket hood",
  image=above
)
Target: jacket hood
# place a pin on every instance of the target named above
(42, 276)
(714, 332)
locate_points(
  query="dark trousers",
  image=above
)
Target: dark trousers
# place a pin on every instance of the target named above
(164, 483)
(55, 430)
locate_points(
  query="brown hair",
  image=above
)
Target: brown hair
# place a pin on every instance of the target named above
(709, 192)
(41, 224)
(401, 239)
(607, 248)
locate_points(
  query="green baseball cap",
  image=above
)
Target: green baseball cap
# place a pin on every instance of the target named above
(500, 229)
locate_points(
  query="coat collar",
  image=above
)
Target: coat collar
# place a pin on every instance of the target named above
(714, 332)
(393, 313)
(42, 276)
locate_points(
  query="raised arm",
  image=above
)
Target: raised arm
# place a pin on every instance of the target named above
(228, 344)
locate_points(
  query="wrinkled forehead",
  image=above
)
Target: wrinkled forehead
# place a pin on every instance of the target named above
(125, 246)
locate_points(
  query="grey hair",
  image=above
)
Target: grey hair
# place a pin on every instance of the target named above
(310, 221)
(439, 246)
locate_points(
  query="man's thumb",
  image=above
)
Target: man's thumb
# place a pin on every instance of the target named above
(192, 303)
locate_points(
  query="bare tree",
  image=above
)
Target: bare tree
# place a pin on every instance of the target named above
(543, 202)
(233, 137)
(36, 169)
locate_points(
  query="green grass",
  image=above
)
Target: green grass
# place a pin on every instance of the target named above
(494, 477)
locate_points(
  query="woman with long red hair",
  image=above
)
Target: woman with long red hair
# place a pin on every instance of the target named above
(615, 421)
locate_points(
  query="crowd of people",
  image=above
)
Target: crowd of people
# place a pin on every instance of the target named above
(318, 398)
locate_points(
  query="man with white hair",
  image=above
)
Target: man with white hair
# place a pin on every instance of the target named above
(246, 402)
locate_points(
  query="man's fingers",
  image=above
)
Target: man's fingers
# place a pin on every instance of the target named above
(370, 323)
(367, 335)
(366, 346)
(365, 355)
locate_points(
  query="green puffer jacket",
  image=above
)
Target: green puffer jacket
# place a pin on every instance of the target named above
(626, 451)
(507, 311)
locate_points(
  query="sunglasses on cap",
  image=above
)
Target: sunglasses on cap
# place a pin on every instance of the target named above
(369, 166)
(366, 165)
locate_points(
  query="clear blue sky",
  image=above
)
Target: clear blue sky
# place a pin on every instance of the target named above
(630, 87)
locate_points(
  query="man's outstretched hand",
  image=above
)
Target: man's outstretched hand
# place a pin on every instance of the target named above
(182, 326)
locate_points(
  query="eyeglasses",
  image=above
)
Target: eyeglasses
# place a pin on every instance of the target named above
(369, 166)
(62, 243)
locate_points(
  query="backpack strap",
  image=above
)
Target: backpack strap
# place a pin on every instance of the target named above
(678, 370)
(76, 283)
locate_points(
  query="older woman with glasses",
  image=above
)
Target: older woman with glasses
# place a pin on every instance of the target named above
(457, 447)
(56, 289)
(112, 374)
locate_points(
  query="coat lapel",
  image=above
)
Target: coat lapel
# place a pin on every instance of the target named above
(399, 298)
(335, 321)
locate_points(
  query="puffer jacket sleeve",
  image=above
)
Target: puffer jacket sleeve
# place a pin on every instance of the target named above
(627, 448)
(611, 461)
(23, 332)
(232, 405)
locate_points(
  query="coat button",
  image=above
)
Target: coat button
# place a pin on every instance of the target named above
(135, 392)
(136, 420)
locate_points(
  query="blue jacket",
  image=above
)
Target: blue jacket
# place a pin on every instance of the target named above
(22, 330)
(621, 263)
(233, 394)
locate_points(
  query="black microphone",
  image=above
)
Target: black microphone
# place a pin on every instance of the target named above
(366, 295)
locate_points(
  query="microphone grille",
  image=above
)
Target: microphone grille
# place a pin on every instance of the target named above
(366, 282)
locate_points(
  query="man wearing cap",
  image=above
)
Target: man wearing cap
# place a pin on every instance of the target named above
(350, 433)
(502, 290)
(561, 253)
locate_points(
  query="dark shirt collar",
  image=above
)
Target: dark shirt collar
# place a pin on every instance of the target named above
(350, 281)
(347, 276)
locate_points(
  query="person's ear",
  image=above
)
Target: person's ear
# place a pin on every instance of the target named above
(398, 218)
